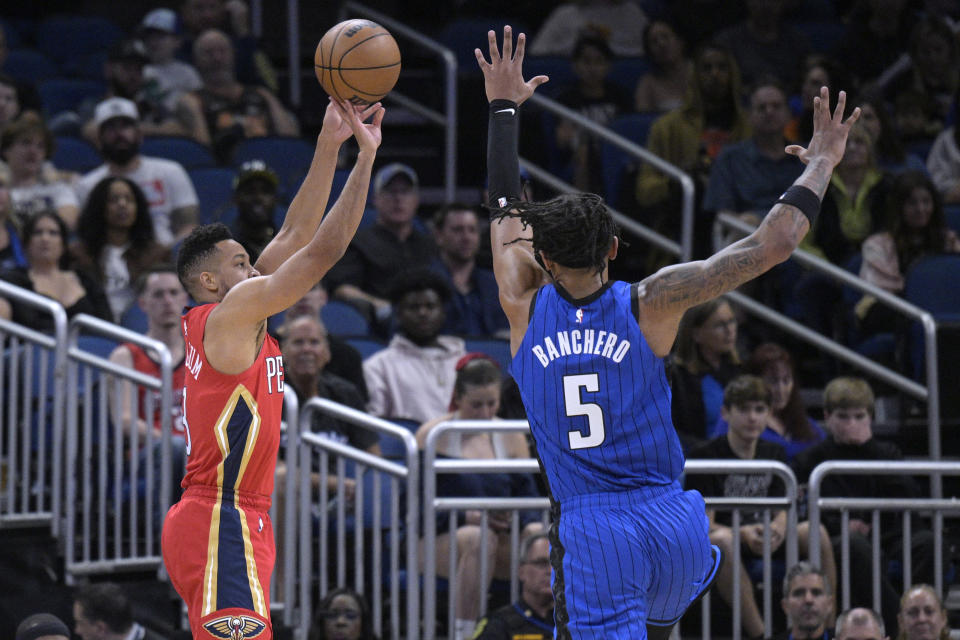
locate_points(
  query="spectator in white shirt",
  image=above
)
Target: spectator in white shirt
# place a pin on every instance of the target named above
(170, 194)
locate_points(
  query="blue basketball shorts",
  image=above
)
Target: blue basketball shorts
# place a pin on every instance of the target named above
(624, 560)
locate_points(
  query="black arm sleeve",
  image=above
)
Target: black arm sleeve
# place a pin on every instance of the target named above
(503, 156)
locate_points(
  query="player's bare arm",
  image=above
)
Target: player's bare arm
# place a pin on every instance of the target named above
(235, 329)
(306, 210)
(517, 273)
(667, 294)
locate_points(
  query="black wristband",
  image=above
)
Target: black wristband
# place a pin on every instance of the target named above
(503, 161)
(804, 199)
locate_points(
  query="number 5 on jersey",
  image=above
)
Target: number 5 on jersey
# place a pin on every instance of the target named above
(576, 407)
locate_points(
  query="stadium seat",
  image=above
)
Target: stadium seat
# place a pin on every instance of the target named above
(214, 187)
(931, 284)
(289, 157)
(625, 72)
(634, 127)
(187, 151)
(75, 154)
(86, 66)
(29, 65)
(366, 346)
(393, 448)
(823, 36)
(134, 319)
(14, 40)
(558, 68)
(63, 38)
(463, 35)
(952, 213)
(66, 94)
(341, 319)
(497, 349)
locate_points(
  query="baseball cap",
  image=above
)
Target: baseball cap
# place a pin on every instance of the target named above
(115, 108)
(41, 624)
(160, 20)
(255, 169)
(128, 49)
(391, 171)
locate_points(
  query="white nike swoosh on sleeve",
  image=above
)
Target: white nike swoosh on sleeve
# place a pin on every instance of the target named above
(510, 110)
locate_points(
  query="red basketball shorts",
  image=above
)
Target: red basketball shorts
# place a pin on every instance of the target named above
(219, 553)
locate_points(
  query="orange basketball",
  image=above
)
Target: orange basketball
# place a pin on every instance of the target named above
(357, 61)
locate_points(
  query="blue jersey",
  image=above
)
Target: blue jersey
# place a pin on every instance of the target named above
(596, 396)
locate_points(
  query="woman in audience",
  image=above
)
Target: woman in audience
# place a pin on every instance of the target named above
(922, 615)
(891, 155)
(476, 396)
(44, 237)
(704, 360)
(915, 228)
(818, 71)
(665, 86)
(343, 614)
(25, 145)
(116, 242)
(788, 424)
(9, 100)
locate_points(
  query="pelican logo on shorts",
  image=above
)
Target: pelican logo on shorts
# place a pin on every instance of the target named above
(579, 316)
(235, 627)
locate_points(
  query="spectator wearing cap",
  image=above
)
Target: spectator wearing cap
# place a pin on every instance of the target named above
(169, 192)
(255, 194)
(381, 250)
(224, 110)
(474, 305)
(166, 77)
(42, 626)
(102, 611)
(413, 377)
(25, 145)
(125, 77)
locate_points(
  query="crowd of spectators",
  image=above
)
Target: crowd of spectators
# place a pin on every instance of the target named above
(727, 93)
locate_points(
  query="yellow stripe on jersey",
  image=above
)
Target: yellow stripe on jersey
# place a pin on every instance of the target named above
(209, 604)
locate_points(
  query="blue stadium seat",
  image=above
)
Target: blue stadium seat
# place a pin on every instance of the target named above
(393, 448)
(214, 186)
(134, 319)
(463, 35)
(187, 151)
(880, 346)
(66, 94)
(65, 37)
(86, 66)
(496, 348)
(14, 39)
(366, 346)
(29, 65)
(634, 127)
(931, 284)
(627, 71)
(823, 36)
(288, 156)
(557, 67)
(341, 319)
(75, 154)
(952, 213)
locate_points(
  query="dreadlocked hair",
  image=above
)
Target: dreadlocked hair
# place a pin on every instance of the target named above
(573, 230)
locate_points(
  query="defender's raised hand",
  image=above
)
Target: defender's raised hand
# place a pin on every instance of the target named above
(368, 134)
(338, 130)
(829, 130)
(503, 75)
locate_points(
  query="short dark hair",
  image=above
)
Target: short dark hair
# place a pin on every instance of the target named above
(805, 568)
(744, 389)
(140, 285)
(197, 248)
(417, 279)
(574, 230)
(527, 543)
(318, 629)
(592, 38)
(106, 602)
(441, 215)
(479, 371)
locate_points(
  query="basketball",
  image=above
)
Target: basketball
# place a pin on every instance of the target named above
(357, 61)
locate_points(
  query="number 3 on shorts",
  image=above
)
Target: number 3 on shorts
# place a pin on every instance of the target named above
(576, 407)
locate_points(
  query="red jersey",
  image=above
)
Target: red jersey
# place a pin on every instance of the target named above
(145, 364)
(232, 422)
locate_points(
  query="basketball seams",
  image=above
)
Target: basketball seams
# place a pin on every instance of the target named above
(333, 47)
(380, 66)
(357, 44)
